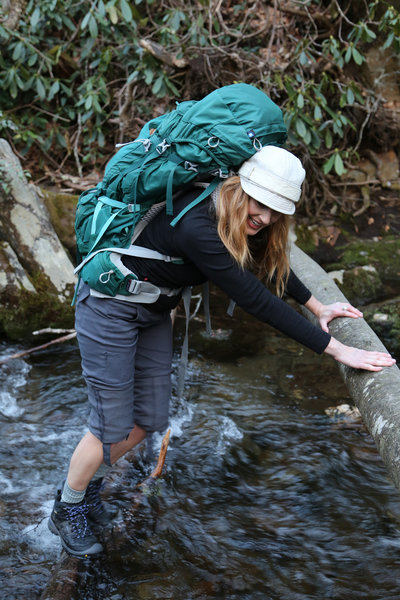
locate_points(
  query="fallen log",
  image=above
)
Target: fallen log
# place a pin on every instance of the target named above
(65, 579)
(376, 394)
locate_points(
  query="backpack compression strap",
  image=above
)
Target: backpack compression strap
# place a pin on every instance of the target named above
(133, 250)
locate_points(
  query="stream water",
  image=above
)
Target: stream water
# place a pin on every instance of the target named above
(264, 496)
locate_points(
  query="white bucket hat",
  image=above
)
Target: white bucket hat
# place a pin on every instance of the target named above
(273, 176)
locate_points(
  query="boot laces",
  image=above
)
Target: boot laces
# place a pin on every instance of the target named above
(76, 515)
(93, 497)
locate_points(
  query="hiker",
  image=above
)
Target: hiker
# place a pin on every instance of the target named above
(234, 238)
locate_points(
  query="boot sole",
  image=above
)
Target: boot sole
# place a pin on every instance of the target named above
(96, 548)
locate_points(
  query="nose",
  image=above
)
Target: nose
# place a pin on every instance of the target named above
(265, 216)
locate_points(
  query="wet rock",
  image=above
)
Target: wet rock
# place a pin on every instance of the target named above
(61, 208)
(344, 412)
(37, 283)
(384, 319)
(381, 253)
(360, 285)
(13, 276)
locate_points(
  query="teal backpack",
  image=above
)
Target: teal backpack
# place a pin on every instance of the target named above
(198, 139)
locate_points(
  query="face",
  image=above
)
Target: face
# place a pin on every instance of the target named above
(260, 216)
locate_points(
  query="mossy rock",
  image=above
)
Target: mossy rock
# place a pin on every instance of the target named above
(383, 254)
(23, 311)
(361, 285)
(384, 319)
(62, 209)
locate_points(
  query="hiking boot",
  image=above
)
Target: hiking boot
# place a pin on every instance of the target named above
(70, 522)
(98, 515)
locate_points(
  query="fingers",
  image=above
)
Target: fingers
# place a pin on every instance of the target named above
(371, 368)
(374, 361)
(347, 310)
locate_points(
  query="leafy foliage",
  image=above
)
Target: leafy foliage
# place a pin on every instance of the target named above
(80, 76)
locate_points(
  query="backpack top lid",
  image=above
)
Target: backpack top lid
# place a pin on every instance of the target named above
(237, 114)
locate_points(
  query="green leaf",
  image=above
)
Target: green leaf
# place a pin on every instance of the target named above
(19, 82)
(54, 89)
(101, 8)
(13, 89)
(18, 51)
(94, 30)
(327, 166)
(100, 138)
(85, 20)
(370, 35)
(132, 76)
(300, 101)
(148, 76)
(339, 166)
(158, 84)
(337, 127)
(35, 17)
(348, 54)
(301, 128)
(61, 140)
(32, 60)
(3, 33)
(112, 12)
(389, 40)
(317, 113)
(171, 86)
(41, 90)
(315, 139)
(307, 136)
(350, 96)
(328, 138)
(126, 10)
(303, 60)
(96, 104)
(358, 58)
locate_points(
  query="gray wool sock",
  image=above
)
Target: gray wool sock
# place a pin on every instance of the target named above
(71, 496)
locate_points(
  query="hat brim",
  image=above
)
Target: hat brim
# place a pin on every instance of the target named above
(270, 199)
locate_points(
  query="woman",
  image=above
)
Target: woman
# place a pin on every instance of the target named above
(234, 240)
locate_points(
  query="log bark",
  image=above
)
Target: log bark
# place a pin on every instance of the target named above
(376, 394)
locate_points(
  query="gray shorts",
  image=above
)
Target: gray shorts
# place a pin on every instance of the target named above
(126, 353)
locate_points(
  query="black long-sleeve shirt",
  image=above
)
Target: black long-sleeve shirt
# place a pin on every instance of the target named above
(195, 239)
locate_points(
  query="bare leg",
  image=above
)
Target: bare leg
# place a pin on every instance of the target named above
(86, 459)
(136, 436)
(88, 456)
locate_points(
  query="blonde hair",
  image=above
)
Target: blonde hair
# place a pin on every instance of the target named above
(265, 253)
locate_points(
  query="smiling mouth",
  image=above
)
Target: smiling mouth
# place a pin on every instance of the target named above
(254, 223)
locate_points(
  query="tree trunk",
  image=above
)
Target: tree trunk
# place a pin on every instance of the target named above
(376, 394)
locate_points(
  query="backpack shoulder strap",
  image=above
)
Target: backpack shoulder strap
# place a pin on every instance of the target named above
(205, 193)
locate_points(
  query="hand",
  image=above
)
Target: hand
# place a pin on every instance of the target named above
(357, 358)
(327, 312)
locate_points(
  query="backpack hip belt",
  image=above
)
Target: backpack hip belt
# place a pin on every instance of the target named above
(108, 277)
